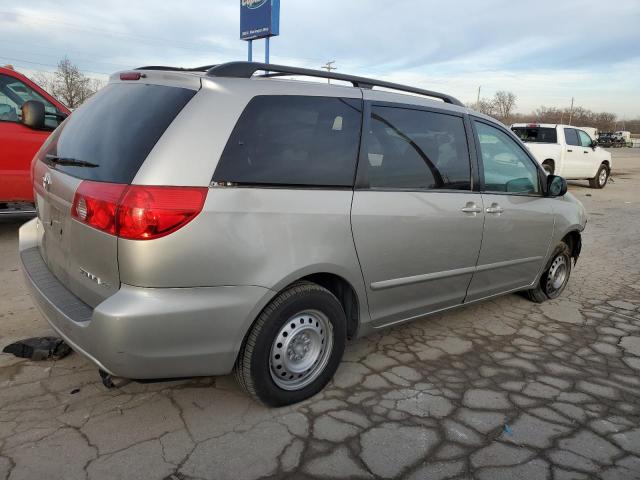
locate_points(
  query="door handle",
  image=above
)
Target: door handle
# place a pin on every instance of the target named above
(494, 208)
(471, 207)
(585, 151)
(569, 150)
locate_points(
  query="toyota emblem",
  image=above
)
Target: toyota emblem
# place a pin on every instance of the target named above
(46, 181)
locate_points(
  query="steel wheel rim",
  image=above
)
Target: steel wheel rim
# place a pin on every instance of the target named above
(603, 176)
(557, 275)
(301, 350)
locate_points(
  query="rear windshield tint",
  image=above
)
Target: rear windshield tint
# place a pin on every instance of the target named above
(293, 140)
(536, 134)
(116, 129)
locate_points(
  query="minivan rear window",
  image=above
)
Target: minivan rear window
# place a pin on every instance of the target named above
(116, 129)
(293, 140)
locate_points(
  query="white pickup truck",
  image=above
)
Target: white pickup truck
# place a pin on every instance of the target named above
(566, 151)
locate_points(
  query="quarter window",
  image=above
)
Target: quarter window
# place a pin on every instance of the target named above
(416, 149)
(293, 140)
(571, 137)
(507, 168)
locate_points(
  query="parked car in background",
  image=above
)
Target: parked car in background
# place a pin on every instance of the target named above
(212, 220)
(613, 140)
(623, 137)
(566, 151)
(28, 115)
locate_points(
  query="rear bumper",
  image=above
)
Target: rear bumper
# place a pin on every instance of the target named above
(145, 333)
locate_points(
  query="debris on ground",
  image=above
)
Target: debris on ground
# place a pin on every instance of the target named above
(39, 348)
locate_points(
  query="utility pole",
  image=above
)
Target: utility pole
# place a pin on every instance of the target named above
(328, 67)
(478, 100)
(571, 111)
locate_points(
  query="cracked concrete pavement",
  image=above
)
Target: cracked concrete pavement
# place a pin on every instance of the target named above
(506, 389)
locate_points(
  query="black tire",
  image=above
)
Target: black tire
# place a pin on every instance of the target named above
(253, 369)
(545, 289)
(597, 181)
(548, 166)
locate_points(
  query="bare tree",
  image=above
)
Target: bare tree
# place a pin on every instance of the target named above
(68, 84)
(581, 117)
(504, 104)
(45, 80)
(486, 106)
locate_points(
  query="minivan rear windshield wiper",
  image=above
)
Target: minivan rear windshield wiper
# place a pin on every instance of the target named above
(70, 161)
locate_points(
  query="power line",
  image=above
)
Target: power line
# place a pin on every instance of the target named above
(12, 59)
(74, 58)
(146, 40)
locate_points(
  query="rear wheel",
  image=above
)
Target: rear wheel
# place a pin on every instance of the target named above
(601, 178)
(555, 277)
(295, 346)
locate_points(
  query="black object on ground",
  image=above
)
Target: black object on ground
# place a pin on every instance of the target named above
(39, 348)
(107, 381)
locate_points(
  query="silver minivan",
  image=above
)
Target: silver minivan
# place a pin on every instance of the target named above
(203, 221)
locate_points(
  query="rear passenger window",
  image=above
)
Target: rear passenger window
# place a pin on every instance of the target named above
(571, 136)
(415, 149)
(293, 140)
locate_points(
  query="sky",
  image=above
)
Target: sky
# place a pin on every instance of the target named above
(545, 52)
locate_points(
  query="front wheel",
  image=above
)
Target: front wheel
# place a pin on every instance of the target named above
(294, 347)
(601, 178)
(555, 277)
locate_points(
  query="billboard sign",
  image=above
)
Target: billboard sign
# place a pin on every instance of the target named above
(259, 19)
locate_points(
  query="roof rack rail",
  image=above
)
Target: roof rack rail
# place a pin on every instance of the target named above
(204, 68)
(247, 69)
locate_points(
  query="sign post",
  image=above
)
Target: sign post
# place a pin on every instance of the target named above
(259, 19)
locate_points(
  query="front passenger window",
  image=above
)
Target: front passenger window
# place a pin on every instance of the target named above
(507, 168)
(13, 93)
(585, 139)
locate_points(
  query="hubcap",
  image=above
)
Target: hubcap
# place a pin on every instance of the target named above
(603, 176)
(557, 275)
(301, 350)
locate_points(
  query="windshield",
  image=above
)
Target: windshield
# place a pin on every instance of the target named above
(536, 134)
(114, 131)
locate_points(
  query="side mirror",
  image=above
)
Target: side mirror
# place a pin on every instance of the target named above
(556, 186)
(594, 144)
(33, 114)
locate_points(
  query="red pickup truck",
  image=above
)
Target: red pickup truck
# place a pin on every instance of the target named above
(28, 115)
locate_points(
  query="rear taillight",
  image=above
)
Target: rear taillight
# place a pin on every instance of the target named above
(96, 203)
(136, 212)
(152, 212)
